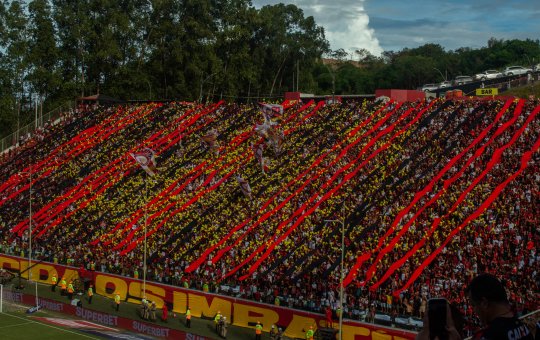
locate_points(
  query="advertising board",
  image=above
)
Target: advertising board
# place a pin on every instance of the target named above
(241, 312)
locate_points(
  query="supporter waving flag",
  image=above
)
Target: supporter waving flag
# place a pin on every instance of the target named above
(244, 186)
(210, 138)
(271, 110)
(147, 160)
(258, 150)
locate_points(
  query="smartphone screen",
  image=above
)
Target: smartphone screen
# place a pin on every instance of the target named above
(437, 317)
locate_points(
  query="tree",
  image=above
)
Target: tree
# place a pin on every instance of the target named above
(414, 70)
(7, 100)
(283, 34)
(339, 54)
(42, 51)
(130, 30)
(72, 23)
(235, 22)
(15, 42)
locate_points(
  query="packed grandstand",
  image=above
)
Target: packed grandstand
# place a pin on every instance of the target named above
(250, 200)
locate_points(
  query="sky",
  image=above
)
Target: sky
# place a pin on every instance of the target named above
(391, 25)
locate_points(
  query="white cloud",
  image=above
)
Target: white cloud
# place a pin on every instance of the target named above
(357, 35)
(345, 22)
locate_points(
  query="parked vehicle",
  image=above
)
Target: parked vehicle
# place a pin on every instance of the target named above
(460, 80)
(429, 87)
(516, 70)
(444, 84)
(489, 74)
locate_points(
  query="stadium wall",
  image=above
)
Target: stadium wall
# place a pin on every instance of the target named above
(106, 319)
(401, 95)
(242, 313)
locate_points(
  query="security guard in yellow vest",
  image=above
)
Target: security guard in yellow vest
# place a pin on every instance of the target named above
(90, 293)
(258, 331)
(117, 300)
(310, 333)
(216, 321)
(63, 286)
(70, 290)
(54, 282)
(188, 318)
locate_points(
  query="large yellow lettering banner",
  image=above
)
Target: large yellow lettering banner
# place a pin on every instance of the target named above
(241, 312)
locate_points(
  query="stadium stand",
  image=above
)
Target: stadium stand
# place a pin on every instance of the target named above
(431, 193)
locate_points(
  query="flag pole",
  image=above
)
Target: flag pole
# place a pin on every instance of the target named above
(30, 236)
(145, 222)
(341, 274)
(144, 159)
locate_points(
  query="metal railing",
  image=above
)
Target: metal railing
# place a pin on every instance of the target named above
(502, 84)
(52, 117)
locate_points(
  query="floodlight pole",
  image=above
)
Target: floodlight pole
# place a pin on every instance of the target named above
(145, 223)
(342, 221)
(36, 121)
(30, 234)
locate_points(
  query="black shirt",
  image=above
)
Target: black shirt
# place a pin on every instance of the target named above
(505, 329)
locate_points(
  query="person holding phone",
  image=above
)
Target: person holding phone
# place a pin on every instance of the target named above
(489, 301)
(439, 322)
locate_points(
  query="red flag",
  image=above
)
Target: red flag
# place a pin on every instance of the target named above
(271, 110)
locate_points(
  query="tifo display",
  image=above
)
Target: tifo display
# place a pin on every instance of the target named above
(243, 200)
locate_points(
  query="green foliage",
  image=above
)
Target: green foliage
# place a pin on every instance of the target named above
(430, 63)
(150, 49)
(42, 53)
(57, 50)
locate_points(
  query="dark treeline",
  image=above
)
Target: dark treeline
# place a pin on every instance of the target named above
(56, 50)
(53, 51)
(430, 63)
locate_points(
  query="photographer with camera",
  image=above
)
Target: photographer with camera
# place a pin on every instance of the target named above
(439, 323)
(489, 301)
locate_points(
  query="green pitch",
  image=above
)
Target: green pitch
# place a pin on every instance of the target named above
(19, 326)
(200, 326)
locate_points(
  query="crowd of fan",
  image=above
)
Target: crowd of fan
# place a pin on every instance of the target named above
(303, 271)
